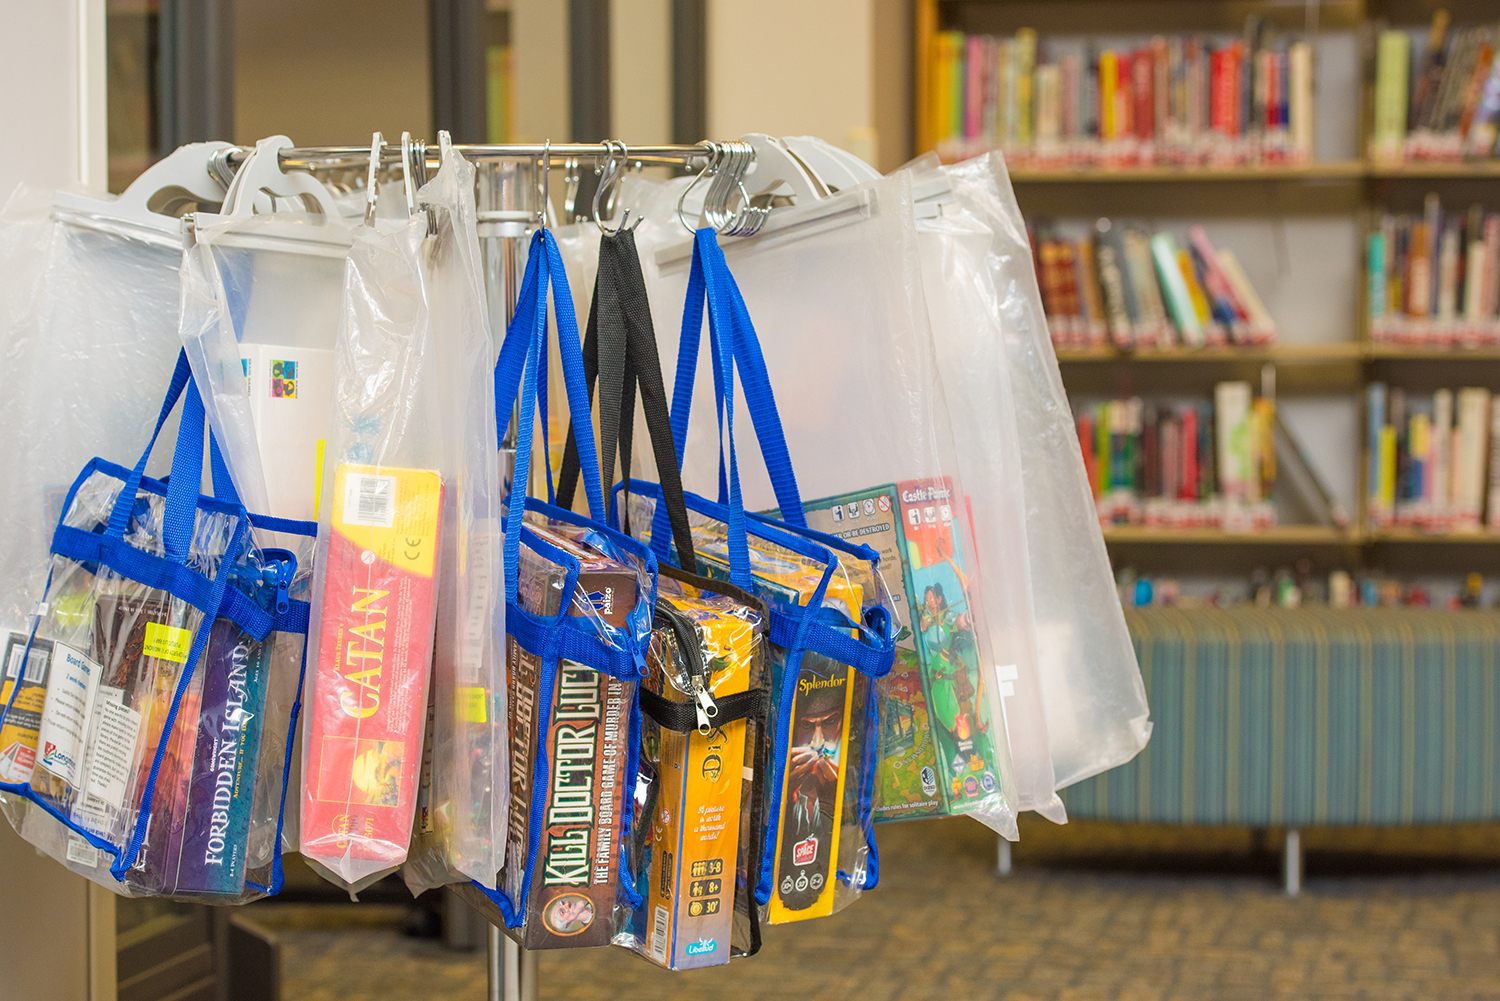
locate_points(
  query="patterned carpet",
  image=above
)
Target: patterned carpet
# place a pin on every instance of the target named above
(1092, 911)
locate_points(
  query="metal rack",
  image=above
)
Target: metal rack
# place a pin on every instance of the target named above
(512, 199)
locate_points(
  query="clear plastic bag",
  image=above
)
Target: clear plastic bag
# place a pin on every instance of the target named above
(836, 292)
(461, 823)
(699, 801)
(146, 739)
(87, 329)
(375, 578)
(1095, 703)
(967, 340)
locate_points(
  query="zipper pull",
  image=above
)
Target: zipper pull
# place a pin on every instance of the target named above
(279, 576)
(707, 708)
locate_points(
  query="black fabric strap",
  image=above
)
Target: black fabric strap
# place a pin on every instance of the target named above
(619, 349)
(683, 716)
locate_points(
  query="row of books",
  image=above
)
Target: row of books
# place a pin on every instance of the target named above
(1293, 588)
(1436, 98)
(1186, 100)
(1132, 288)
(1435, 278)
(1184, 465)
(1432, 461)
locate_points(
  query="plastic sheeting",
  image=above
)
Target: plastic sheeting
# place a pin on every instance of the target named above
(1091, 684)
(88, 325)
(835, 290)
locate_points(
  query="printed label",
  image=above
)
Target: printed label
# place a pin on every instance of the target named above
(113, 752)
(71, 686)
(81, 852)
(283, 380)
(167, 642)
(471, 704)
(370, 500)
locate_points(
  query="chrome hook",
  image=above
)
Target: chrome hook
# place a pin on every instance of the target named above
(614, 172)
(710, 169)
(545, 179)
(377, 145)
(572, 177)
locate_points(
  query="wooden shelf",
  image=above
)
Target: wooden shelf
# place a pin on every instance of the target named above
(1285, 354)
(1336, 170)
(1414, 535)
(1400, 352)
(1475, 168)
(1281, 535)
(1281, 354)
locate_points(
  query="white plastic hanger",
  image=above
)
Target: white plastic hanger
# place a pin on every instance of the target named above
(302, 214)
(777, 173)
(151, 208)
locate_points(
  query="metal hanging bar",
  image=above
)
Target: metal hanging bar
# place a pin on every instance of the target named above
(337, 157)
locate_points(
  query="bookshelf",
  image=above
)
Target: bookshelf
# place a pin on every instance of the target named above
(1340, 188)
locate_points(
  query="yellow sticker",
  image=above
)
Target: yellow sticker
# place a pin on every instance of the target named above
(167, 642)
(471, 705)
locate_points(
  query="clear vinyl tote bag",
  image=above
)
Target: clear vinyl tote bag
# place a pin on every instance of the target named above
(705, 750)
(154, 626)
(579, 603)
(831, 622)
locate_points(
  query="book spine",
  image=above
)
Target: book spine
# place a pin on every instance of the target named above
(1375, 265)
(1392, 66)
(1442, 457)
(1179, 301)
(1109, 77)
(1447, 310)
(1375, 395)
(1025, 98)
(1114, 286)
(1492, 507)
(1300, 99)
(1262, 326)
(1473, 427)
(1190, 436)
(217, 830)
(973, 87)
(1485, 125)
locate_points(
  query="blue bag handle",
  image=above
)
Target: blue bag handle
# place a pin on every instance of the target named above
(522, 367)
(711, 280)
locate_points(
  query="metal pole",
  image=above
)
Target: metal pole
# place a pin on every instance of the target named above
(1292, 863)
(503, 191)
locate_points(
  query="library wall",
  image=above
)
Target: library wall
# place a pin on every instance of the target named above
(375, 57)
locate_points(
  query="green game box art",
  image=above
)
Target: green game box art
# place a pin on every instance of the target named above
(908, 784)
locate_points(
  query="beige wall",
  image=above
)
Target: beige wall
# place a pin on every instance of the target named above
(331, 72)
(794, 67)
(539, 34)
(640, 70)
(39, 75)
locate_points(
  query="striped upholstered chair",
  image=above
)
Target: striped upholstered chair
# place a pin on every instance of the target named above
(1302, 717)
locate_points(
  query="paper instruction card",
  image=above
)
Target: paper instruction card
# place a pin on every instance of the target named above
(71, 688)
(113, 752)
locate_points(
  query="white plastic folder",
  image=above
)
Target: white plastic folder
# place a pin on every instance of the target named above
(1095, 703)
(836, 295)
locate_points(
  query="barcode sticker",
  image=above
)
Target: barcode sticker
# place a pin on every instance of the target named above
(660, 929)
(36, 661)
(81, 852)
(370, 500)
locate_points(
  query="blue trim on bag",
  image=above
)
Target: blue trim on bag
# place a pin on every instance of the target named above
(214, 598)
(588, 641)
